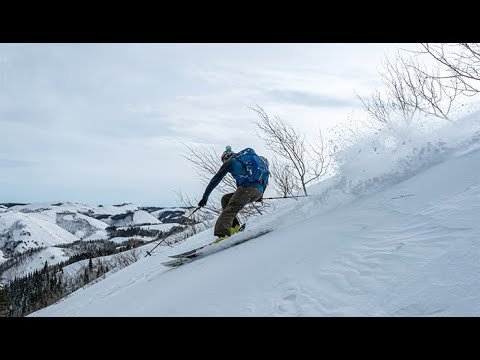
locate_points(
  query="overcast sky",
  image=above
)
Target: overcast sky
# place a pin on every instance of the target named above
(102, 123)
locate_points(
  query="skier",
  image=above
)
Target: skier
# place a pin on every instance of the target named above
(250, 172)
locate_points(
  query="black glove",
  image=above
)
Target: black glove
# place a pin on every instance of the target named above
(202, 203)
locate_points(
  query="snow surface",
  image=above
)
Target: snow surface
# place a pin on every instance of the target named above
(97, 235)
(163, 227)
(113, 210)
(36, 261)
(31, 231)
(121, 239)
(65, 206)
(67, 215)
(143, 217)
(394, 233)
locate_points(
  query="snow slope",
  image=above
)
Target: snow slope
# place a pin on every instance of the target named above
(408, 249)
(30, 232)
(393, 232)
(68, 216)
(113, 209)
(143, 217)
(51, 255)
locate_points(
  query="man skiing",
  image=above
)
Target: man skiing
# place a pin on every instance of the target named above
(250, 172)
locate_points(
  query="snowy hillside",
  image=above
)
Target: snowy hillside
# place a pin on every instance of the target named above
(69, 217)
(394, 233)
(95, 218)
(51, 255)
(20, 232)
(46, 224)
(33, 234)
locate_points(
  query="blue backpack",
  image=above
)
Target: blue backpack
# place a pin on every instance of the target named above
(256, 167)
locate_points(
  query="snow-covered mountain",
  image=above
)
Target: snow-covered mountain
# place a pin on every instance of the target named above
(54, 228)
(21, 232)
(394, 233)
(68, 216)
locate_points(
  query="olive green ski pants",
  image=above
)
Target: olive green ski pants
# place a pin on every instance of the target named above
(231, 204)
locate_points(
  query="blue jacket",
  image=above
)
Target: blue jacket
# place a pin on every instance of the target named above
(236, 168)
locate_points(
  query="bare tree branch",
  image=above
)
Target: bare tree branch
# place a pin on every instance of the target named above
(284, 182)
(305, 162)
(458, 61)
(411, 87)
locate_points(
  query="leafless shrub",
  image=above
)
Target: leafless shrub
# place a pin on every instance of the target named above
(307, 161)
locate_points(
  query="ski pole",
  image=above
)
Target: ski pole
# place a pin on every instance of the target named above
(286, 197)
(170, 233)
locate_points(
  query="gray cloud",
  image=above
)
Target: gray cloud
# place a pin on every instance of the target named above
(24, 116)
(308, 99)
(6, 163)
(107, 114)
